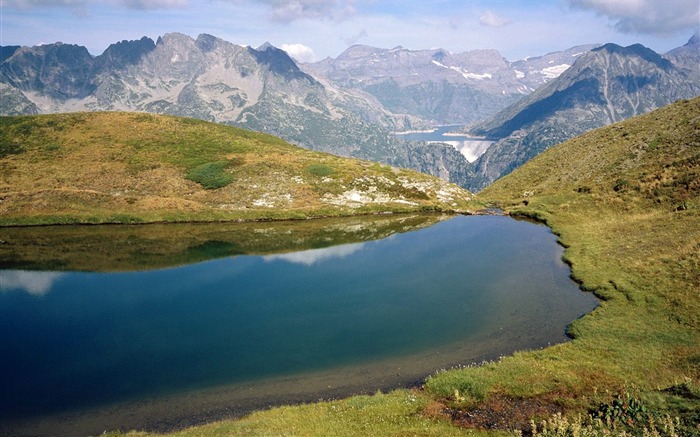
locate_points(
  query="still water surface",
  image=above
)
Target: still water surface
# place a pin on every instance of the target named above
(380, 314)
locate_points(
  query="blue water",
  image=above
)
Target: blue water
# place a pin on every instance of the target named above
(71, 341)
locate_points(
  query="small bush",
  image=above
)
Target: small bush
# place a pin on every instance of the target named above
(211, 175)
(621, 185)
(10, 148)
(320, 170)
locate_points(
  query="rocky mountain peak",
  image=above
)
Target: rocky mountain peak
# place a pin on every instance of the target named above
(265, 46)
(606, 85)
(58, 70)
(278, 62)
(637, 50)
(207, 43)
(124, 53)
(7, 51)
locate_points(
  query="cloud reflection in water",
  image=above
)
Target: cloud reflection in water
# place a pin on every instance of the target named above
(35, 283)
(313, 256)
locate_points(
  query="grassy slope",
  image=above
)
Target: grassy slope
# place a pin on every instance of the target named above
(625, 201)
(126, 167)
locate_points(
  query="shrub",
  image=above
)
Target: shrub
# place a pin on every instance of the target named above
(320, 169)
(621, 185)
(211, 175)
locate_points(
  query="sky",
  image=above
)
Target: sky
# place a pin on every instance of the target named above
(311, 30)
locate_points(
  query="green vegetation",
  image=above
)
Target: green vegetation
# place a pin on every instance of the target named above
(625, 202)
(626, 205)
(211, 175)
(143, 168)
(400, 412)
(319, 170)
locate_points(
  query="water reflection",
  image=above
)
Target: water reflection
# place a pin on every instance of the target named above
(126, 248)
(35, 283)
(311, 257)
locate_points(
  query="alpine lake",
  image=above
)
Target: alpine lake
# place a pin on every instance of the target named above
(159, 327)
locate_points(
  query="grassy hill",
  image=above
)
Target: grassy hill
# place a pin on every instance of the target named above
(625, 201)
(131, 168)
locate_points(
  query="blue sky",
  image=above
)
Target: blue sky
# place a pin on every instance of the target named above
(315, 29)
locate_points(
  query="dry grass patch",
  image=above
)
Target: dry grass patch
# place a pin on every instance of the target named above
(134, 164)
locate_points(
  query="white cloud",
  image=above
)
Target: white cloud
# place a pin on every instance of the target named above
(36, 283)
(311, 257)
(77, 7)
(286, 11)
(356, 37)
(27, 4)
(653, 17)
(154, 4)
(490, 19)
(81, 5)
(300, 52)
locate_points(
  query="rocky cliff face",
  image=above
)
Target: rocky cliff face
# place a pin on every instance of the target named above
(606, 85)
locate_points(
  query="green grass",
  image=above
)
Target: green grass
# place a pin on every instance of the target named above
(624, 201)
(319, 170)
(399, 413)
(211, 175)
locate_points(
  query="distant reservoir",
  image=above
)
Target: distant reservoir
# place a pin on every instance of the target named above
(472, 148)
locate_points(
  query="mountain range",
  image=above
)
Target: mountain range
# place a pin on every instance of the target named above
(606, 85)
(440, 87)
(350, 105)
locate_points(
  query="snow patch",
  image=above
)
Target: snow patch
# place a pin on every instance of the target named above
(465, 73)
(554, 71)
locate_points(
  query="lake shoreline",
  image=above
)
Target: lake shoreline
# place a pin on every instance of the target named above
(290, 217)
(177, 412)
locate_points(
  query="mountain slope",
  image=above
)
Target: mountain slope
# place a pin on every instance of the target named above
(649, 161)
(128, 167)
(625, 202)
(606, 85)
(687, 57)
(210, 79)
